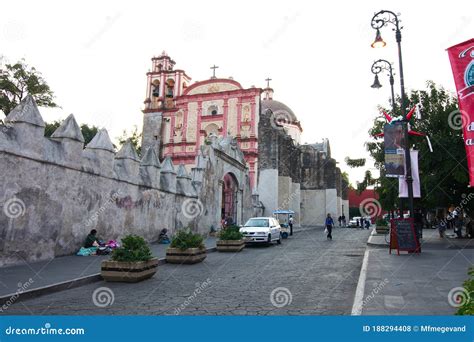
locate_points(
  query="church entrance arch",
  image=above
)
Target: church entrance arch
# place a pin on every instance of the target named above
(230, 189)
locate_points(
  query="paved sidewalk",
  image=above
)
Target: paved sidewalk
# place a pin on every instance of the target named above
(411, 284)
(62, 269)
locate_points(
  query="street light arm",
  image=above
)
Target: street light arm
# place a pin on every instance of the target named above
(380, 65)
(383, 17)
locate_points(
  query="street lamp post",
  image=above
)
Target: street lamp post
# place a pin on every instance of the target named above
(379, 66)
(379, 20)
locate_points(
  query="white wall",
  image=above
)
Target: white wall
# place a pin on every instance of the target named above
(268, 190)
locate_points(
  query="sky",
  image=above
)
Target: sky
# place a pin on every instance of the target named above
(94, 55)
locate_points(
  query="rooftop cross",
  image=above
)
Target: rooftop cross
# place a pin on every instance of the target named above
(268, 82)
(214, 67)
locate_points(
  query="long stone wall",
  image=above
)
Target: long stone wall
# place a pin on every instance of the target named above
(53, 191)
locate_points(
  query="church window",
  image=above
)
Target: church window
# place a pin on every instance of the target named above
(156, 88)
(213, 110)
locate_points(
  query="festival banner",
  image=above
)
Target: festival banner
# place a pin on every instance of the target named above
(394, 143)
(461, 57)
(402, 183)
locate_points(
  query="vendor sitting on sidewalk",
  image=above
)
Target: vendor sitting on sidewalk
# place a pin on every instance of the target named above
(92, 240)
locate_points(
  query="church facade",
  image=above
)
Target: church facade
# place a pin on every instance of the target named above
(180, 117)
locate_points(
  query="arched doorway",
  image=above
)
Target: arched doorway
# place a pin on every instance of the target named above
(230, 188)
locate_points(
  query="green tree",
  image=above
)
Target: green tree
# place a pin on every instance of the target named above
(88, 132)
(443, 173)
(134, 136)
(17, 81)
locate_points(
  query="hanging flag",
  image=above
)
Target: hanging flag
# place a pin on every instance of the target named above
(461, 57)
(402, 183)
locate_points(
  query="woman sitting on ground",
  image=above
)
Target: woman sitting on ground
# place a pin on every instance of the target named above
(92, 240)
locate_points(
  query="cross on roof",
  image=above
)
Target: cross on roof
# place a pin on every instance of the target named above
(268, 82)
(214, 67)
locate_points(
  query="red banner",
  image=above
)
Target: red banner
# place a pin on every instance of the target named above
(461, 57)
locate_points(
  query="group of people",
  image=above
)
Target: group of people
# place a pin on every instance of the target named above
(342, 221)
(453, 220)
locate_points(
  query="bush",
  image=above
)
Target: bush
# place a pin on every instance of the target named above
(231, 233)
(134, 248)
(185, 239)
(468, 307)
(381, 222)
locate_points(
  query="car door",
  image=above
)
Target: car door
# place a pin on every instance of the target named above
(274, 228)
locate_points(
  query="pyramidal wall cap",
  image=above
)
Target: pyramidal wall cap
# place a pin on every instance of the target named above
(182, 173)
(69, 129)
(127, 152)
(27, 111)
(101, 141)
(150, 158)
(168, 166)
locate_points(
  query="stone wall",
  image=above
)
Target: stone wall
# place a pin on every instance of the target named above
(53, 191)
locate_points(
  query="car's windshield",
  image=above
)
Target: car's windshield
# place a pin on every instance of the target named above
(257, 223)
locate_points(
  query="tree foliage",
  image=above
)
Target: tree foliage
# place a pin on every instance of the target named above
(443, 173)
(355, 162)
(135, 138)
(17, 81)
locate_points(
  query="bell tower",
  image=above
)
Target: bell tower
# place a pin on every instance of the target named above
(164, 85)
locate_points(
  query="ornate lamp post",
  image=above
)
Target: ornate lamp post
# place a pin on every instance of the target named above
(379, 20)
(379, 66)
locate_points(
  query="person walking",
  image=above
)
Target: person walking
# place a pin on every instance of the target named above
(339, 219)
(329, 225)
(343, 217)
(290, 224)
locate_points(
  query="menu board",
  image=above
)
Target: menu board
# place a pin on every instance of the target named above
(403, 236)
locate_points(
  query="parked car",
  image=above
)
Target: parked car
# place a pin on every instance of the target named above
(353, 222)
(262, 229)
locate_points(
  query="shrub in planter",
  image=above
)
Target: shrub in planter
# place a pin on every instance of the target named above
(132, 262)
(381, 226)
(230, 240)
(466, 299)
(186, 248)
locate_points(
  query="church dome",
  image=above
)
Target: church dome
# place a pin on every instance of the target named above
(279, 109)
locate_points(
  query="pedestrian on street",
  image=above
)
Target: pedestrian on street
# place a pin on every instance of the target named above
(329, 225)
(290, 224)
(367, 224)
(343, 221)
(361, 223)
(339, 219)
(441, 226)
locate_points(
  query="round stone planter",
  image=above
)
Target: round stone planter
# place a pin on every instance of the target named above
(129, 272)
(230, 245)
(185, 256)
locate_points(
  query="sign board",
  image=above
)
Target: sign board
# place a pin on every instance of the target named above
(394, 144)
(403, 236)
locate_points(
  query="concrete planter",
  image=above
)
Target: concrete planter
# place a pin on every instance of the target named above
(381, 229)
(230, 245)
(186, 256)
(129, 272)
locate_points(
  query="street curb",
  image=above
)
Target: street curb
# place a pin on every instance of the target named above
(15, 297)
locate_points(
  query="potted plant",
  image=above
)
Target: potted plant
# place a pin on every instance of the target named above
(186, 248)
(230, 240)
(131, 263)
(381, 226)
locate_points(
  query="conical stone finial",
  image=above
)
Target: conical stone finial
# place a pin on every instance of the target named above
(128, 152)
(101, 141)
(27, 111)
(69, 129)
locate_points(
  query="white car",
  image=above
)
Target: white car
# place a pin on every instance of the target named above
(262, 229)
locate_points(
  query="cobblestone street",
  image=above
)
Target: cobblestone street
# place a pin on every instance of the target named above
(307, 275)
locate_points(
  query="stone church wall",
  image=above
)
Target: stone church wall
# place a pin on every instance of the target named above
(53, 192)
